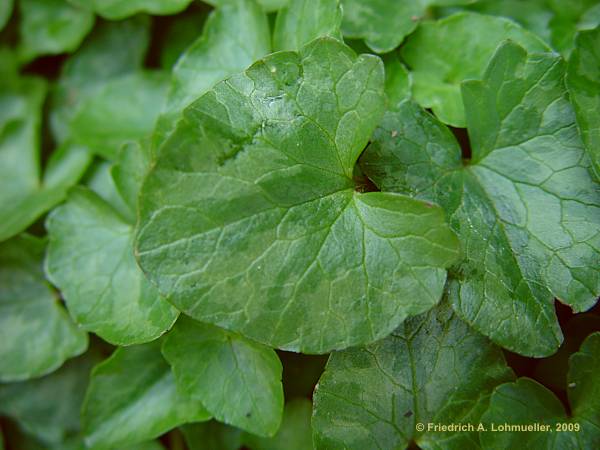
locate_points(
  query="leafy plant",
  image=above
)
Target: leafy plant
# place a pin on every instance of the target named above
(201, 203)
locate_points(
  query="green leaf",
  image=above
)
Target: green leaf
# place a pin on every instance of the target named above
(398, 80)
(48, 408)
(384, 24)
(113, 49)
(26, 193)
(90, 258)
(121, 110)
(569, 18)
(267, 5)
(526, 402)
(304, 20)
(433, 369)
(238, 381)
(212, 435)
(217, 54)
(180, 33)
(128, 174)
(250, 220)
(525, 206)
(583, 82)
(50, 27)
(132, 398)
(468, 42)
(6, 8)
(294, 433)
(120, 9)
(535, 15)
(36, 335)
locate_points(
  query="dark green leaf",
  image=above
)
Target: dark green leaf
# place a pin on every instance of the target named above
(525, 206)
(238, 381)
(6, 8)
(132, 398)
(294, 433)
(583, 82)
(26, 193)
(212, 435)
(527, 402)
(442, 54)
(250, 219)
(48, 408)
(36, 335)
(120, 9)
(433, 369)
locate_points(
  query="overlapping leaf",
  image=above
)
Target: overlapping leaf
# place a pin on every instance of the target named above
(444, 53)
(525, 207)
(50, 27)
(103, 97)
(36, 335)
(48, 408)
(433, 369)
(120, 9)
(215, 55)
(569, 18)
(90, 258)
(527, 402)
(583, 81)
(294, 433)
(132, 398)
(304, 20)
(384, 24)
(238, 381)
(251, 220)
(26, 193)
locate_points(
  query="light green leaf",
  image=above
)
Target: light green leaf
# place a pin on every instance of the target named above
(48, 408)
(304, 20)
(120, 9)
(217, 54)
(132, 398)
(250, 219)
(238, 381)
(433, 369)
(50, 27)
(268, 5)
(26, 193)
(527, 402)
(212, 435)
(6, 8)
(583, 82)
(525, 206)
(442, 54)
(398, 81)
(294, 433)
(112, 50)
(128, 174)
(36, 335)
(90, 258)
(384, 24)
(569, 18)
(535, 15)
(123, 110)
